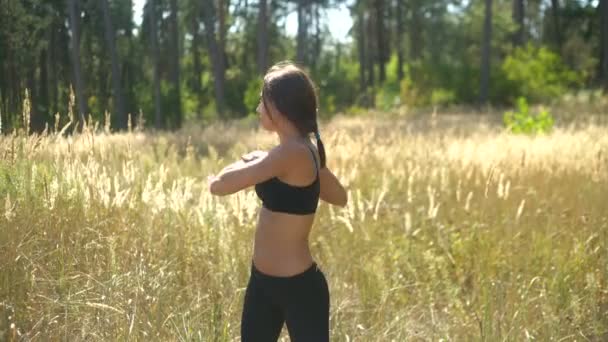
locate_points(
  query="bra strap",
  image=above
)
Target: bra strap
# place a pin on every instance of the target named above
(314, 159)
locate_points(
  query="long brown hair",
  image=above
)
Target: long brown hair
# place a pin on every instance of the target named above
(291, 90)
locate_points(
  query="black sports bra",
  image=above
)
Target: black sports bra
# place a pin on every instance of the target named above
(282, 197)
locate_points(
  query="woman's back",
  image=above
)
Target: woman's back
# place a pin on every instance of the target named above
(281, 238)
(285, 285)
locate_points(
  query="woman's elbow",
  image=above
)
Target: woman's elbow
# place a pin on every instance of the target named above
(343, 200)
(216, 188)
(222, 186)
(213, 189)
(336, 198)
(340, 200)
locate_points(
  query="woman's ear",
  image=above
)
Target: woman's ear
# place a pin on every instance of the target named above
(270, 106)
(273, 113)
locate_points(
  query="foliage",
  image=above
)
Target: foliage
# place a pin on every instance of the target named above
(387, 97)
(239, 84)
(441, 55)
(337, 82)
(252, 95)
(523, 121)
(538, 73)
(442, 97)
(428, 84)
(409, 95)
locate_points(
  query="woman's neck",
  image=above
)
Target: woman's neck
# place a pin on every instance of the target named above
(289, 135)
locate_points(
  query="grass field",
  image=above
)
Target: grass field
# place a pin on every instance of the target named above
(454, 231)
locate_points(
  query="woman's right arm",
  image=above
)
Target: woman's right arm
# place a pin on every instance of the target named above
(331, 190)
(241, 175)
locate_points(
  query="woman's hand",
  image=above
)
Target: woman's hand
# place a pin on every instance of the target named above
(253, 155)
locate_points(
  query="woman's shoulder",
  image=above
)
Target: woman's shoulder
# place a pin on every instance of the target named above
(288, 152)
(295, 151)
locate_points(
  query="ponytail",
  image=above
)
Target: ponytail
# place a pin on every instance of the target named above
(321, 148)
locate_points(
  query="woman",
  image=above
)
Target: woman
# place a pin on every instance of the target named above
(285, 286)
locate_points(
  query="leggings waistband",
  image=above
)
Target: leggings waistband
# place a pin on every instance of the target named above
(260, 275)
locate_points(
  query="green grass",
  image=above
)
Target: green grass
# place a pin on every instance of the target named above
(460, 232)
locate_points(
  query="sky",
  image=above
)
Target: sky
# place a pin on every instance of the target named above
(339, 18)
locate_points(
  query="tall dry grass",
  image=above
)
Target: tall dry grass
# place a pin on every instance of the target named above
(454, 231)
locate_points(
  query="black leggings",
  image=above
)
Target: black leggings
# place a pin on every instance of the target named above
(301, 301)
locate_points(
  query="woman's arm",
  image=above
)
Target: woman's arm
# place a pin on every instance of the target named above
(253, 155)
(246, 158)
(241, 175)
(331, 190)
(235, 165)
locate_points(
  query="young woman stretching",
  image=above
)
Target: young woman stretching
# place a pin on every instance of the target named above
(285, 285)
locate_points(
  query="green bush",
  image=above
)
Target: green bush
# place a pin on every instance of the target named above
(538, 73)
(252, 95)
(338, 87)
(239, 82)
(524, 122)
(442, 97)
(435, 84)
(387, 97)
(410, 94)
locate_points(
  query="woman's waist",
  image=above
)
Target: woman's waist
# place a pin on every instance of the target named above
(283, 265)
(277, 218)
(281, 243)
(283, 276)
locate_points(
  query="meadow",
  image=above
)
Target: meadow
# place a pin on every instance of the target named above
(455, 230)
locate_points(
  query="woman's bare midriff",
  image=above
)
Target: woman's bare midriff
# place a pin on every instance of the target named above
(281, 243)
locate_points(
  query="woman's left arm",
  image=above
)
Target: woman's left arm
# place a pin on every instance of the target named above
(241, 175)
(246, 158)
(235, 165)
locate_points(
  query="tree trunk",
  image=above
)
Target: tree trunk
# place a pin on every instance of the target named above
(416, 31)
(221, 43)
(74, 12)
(129, 67)
(435, 34)
(485, 54)
(52, 63)
(15, 96)
(2, 96)
(370, 54)
(301, 39)
(603, 6)
(399, 39)
(32, 88)
(119, 105)
(103, 91)
(361, 47)
(155, 60)
(176, 93)
(518, 18)
(557, 30)
(196, 65)
(2, 83)
(43, 92)
(262, 37)
(370, 60)
(318, 41)
(216, 55)
(338, 56)
(380, 35)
